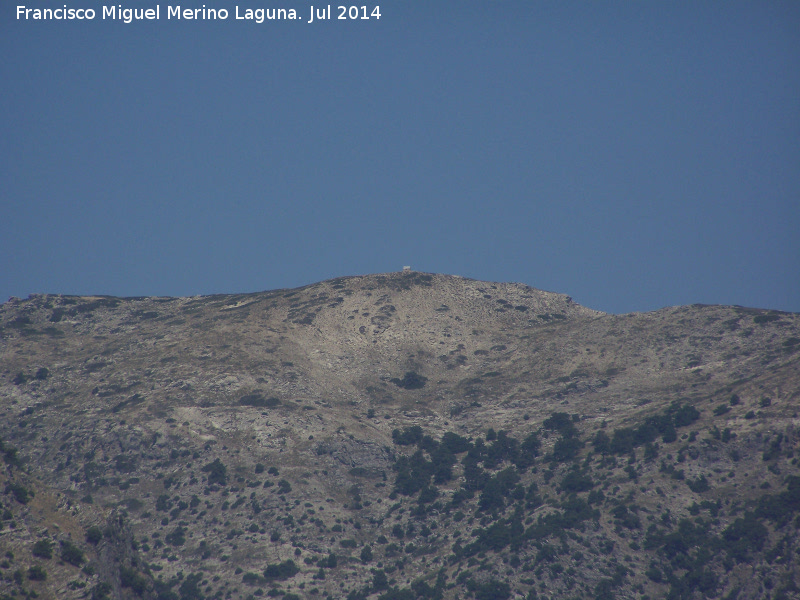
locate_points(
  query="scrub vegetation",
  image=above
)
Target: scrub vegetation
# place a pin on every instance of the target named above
(402, 436)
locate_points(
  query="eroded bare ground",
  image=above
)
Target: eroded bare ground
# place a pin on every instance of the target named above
(228, 446)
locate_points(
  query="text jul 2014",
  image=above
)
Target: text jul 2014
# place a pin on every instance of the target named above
(258, 15)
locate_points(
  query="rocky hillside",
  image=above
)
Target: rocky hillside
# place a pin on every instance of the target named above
(395, 437)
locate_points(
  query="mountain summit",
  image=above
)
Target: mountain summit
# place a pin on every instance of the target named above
(396, 436)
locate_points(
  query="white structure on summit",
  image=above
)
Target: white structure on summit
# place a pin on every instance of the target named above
(406, 268)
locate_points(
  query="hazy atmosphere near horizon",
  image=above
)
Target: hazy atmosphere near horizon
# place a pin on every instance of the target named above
(633, 155)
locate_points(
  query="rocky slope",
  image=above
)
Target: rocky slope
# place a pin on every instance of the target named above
(403, 435)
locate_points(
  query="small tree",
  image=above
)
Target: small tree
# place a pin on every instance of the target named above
(217, 473)
(43, 549)
(71, 554)
(94, 534)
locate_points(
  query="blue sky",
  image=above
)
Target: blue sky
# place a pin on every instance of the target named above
(633, 155)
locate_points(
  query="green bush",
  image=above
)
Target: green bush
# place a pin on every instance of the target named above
(190, 587)
(408, 437)
(410, 381)
(743, 536)
(102, 591)
(37, 573)
(131, 578)
(560, 422)
(71, 554)
(20, 493)
(379, 580)
(489, 590)
(699, 485)
(258, 401)
(217, 473)
(43, 549)
(124, 464)
(575, 482)
(398, 594)
(566, 449)
(253, 579)
(284, 570)
(177, 537)
(94, 534)
(763, 319)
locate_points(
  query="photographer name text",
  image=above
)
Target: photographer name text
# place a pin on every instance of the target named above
(180, 13)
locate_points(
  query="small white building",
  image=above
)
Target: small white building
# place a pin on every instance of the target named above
(406, 268)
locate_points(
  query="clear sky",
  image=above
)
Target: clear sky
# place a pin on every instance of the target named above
(633, 155)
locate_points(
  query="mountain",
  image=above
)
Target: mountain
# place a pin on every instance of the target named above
(396, 436)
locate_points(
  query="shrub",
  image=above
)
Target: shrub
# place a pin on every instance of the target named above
(602, 443)
(654, 574)
(37, 573)
(177, 537)
(284, 570)
(684, 415)
(561, 422)
(743, 536)
(252, 579)
(575, 482)
(131, 578)
(10, 455)
(43, 549)
(489, 590)
(124, 464)
(413, 473)
(163, 503)
(699, 485)
(94, 534)
(408, 437)
(566, 449)
(329, 562)
(71, 554)
(379, 580)
(410, 381)
(625, 518)
(190, 587)
(763, 319)
(102, 591)
(217, 473)
(258, 401)
(397, 594)
(20, 493)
